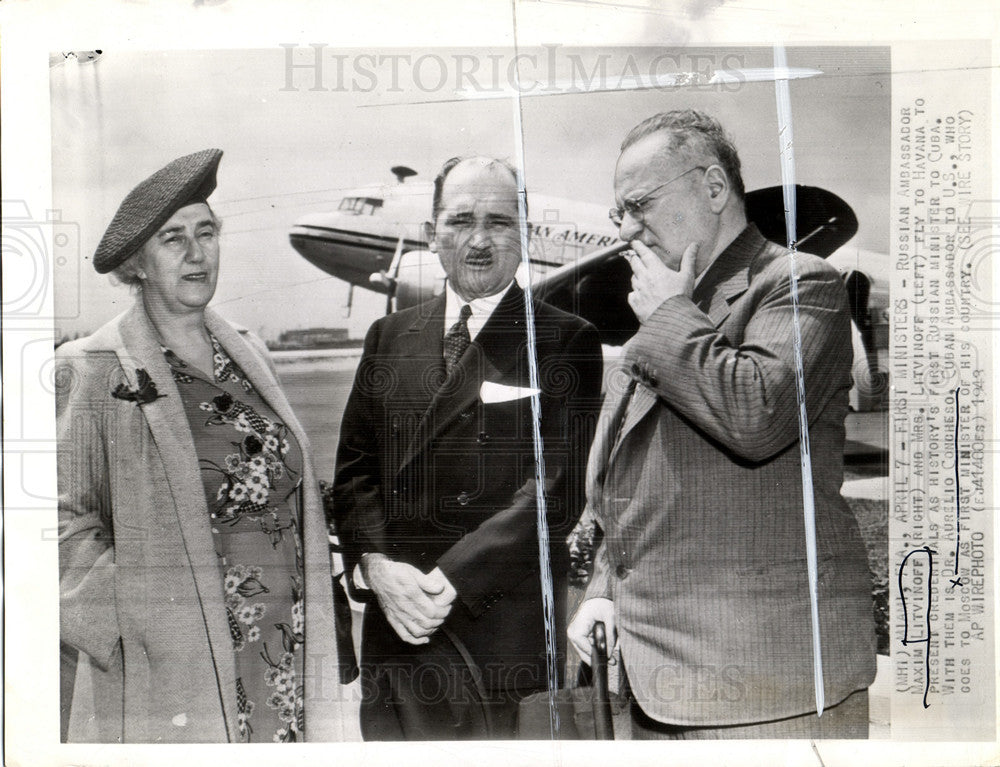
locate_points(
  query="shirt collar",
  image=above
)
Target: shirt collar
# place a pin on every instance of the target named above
(482, 308)
(224, 369)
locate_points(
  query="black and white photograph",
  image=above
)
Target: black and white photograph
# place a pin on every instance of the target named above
(456, 392)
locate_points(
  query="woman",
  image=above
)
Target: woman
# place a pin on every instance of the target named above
(195, 571)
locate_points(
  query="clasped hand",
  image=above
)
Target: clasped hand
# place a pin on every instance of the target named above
(653, 282)
(414, 603)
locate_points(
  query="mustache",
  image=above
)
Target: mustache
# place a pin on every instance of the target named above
(481, 252)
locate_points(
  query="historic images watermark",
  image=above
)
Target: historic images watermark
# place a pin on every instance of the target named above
(549, 69)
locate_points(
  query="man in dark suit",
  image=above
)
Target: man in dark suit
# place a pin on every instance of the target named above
(435, 490)
(695, 473)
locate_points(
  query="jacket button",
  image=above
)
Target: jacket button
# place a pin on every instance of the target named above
(483, 438)
(463, 498)
(621, 571)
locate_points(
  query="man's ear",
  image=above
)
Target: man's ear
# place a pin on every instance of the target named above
(429, 235)
(718, 188)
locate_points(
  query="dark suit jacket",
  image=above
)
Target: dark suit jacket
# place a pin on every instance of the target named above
(429, 474)
(699, 493)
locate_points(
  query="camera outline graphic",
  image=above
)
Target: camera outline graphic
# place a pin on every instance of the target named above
(33, 250)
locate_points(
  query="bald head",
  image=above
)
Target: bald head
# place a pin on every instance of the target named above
(476, 230)
(673, 194)
(489, 163)
(695, 137)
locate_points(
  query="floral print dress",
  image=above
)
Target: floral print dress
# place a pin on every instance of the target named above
(251, 467)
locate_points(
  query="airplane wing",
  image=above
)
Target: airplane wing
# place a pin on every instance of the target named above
(595, 287)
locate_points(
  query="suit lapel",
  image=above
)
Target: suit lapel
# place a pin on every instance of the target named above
(725, 280)
(419, 363)
(637, 406)
(493, 354)
(605, 440)
(728, 277)
(716, 299)
(503, 339)
(137, 347)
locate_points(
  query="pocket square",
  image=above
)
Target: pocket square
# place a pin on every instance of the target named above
(495, 392)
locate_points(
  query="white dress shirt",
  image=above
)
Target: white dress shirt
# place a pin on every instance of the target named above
(482, 308)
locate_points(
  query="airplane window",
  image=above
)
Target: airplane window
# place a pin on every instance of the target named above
(360, 206)
(370, 205)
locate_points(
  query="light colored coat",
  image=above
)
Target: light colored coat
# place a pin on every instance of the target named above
(697, 485)
(141, 593)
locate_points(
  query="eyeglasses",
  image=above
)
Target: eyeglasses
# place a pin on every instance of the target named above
(636, 208)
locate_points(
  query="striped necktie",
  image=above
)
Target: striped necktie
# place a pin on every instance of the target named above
(457, 339)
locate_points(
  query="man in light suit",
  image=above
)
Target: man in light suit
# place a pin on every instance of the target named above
(695, 474)
(435, 490)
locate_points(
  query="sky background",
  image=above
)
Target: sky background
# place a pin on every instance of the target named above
(295, 141)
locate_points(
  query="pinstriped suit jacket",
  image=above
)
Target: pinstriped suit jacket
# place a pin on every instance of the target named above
(696, 481)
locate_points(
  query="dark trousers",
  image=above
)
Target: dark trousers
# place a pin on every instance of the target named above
(430, 695)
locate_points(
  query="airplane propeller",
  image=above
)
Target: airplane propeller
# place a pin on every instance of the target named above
(388, 277)
(828, 221)
(858, 292)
